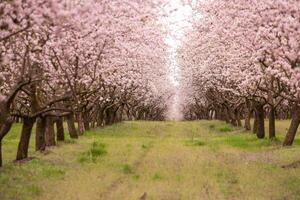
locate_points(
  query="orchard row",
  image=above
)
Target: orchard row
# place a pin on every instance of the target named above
(240, 60)
(91, 63)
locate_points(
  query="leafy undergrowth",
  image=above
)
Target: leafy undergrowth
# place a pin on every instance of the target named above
(165, 160)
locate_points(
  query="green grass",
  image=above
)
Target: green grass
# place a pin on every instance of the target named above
(33, 190)
(157, 177)
(225, 129)
(167, 160)
(127, 169)
(195, 142)
(96, 150)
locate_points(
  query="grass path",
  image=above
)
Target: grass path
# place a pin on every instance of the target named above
(155, 161)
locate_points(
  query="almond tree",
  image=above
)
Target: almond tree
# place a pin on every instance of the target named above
(246, 55)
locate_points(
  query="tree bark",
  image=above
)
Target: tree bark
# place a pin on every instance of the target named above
(80, 124)
(40, 143)
(238, 118)
(232, 117)
(0, 153)
(86, 122)
(247, 121)
(226, 115)
(255, 123)
(272, 123)
(93, 124)
(115, 115)
(100, 118)
(25, 138)
(60, 135)
(50, 133)
(260, 117)
(71, 126)
(4, 129)
(290, 136)
(108, 117)
(121, 113)
(248, 115)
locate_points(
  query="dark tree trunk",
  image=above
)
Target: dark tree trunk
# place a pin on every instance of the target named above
(86, 122)
(232, 117)
(247, 121)
(255, 123)
(226, 115)
(238, 118)
(109, 116)
(100, 118)
(121, 113)
(25, 138)
(290, 136)
(71, 126)
(0, 153)
(50, 133)
(40, 143)
(260, 117)
(115, 115)
(233, 122)
(80, 124)
(93, 124)
(17, 120)
(60, 134)
(217, 115)
(272, 123)
(129, 117)
(4, 129)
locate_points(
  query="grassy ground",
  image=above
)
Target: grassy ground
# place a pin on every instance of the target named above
(155, 160)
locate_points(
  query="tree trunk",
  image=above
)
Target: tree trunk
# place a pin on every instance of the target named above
(121, 113)
(255, 123)
(25, 138)
(17, 120)
(260, 117)
(40, 143)
(247, 121)
(93, 124)
(290, 136)
(238, 118)
(50, 133)
(226, 115)
(232, 116)
(0, 153)
(86, 122)
(80, 124)
(272, 123)
(115, 115)
(4, 129)
(71, 126)
(100, 118)
(60, 135)
(108, 118)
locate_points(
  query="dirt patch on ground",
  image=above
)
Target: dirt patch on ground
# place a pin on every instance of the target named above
(292, 165)
(23, 160)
